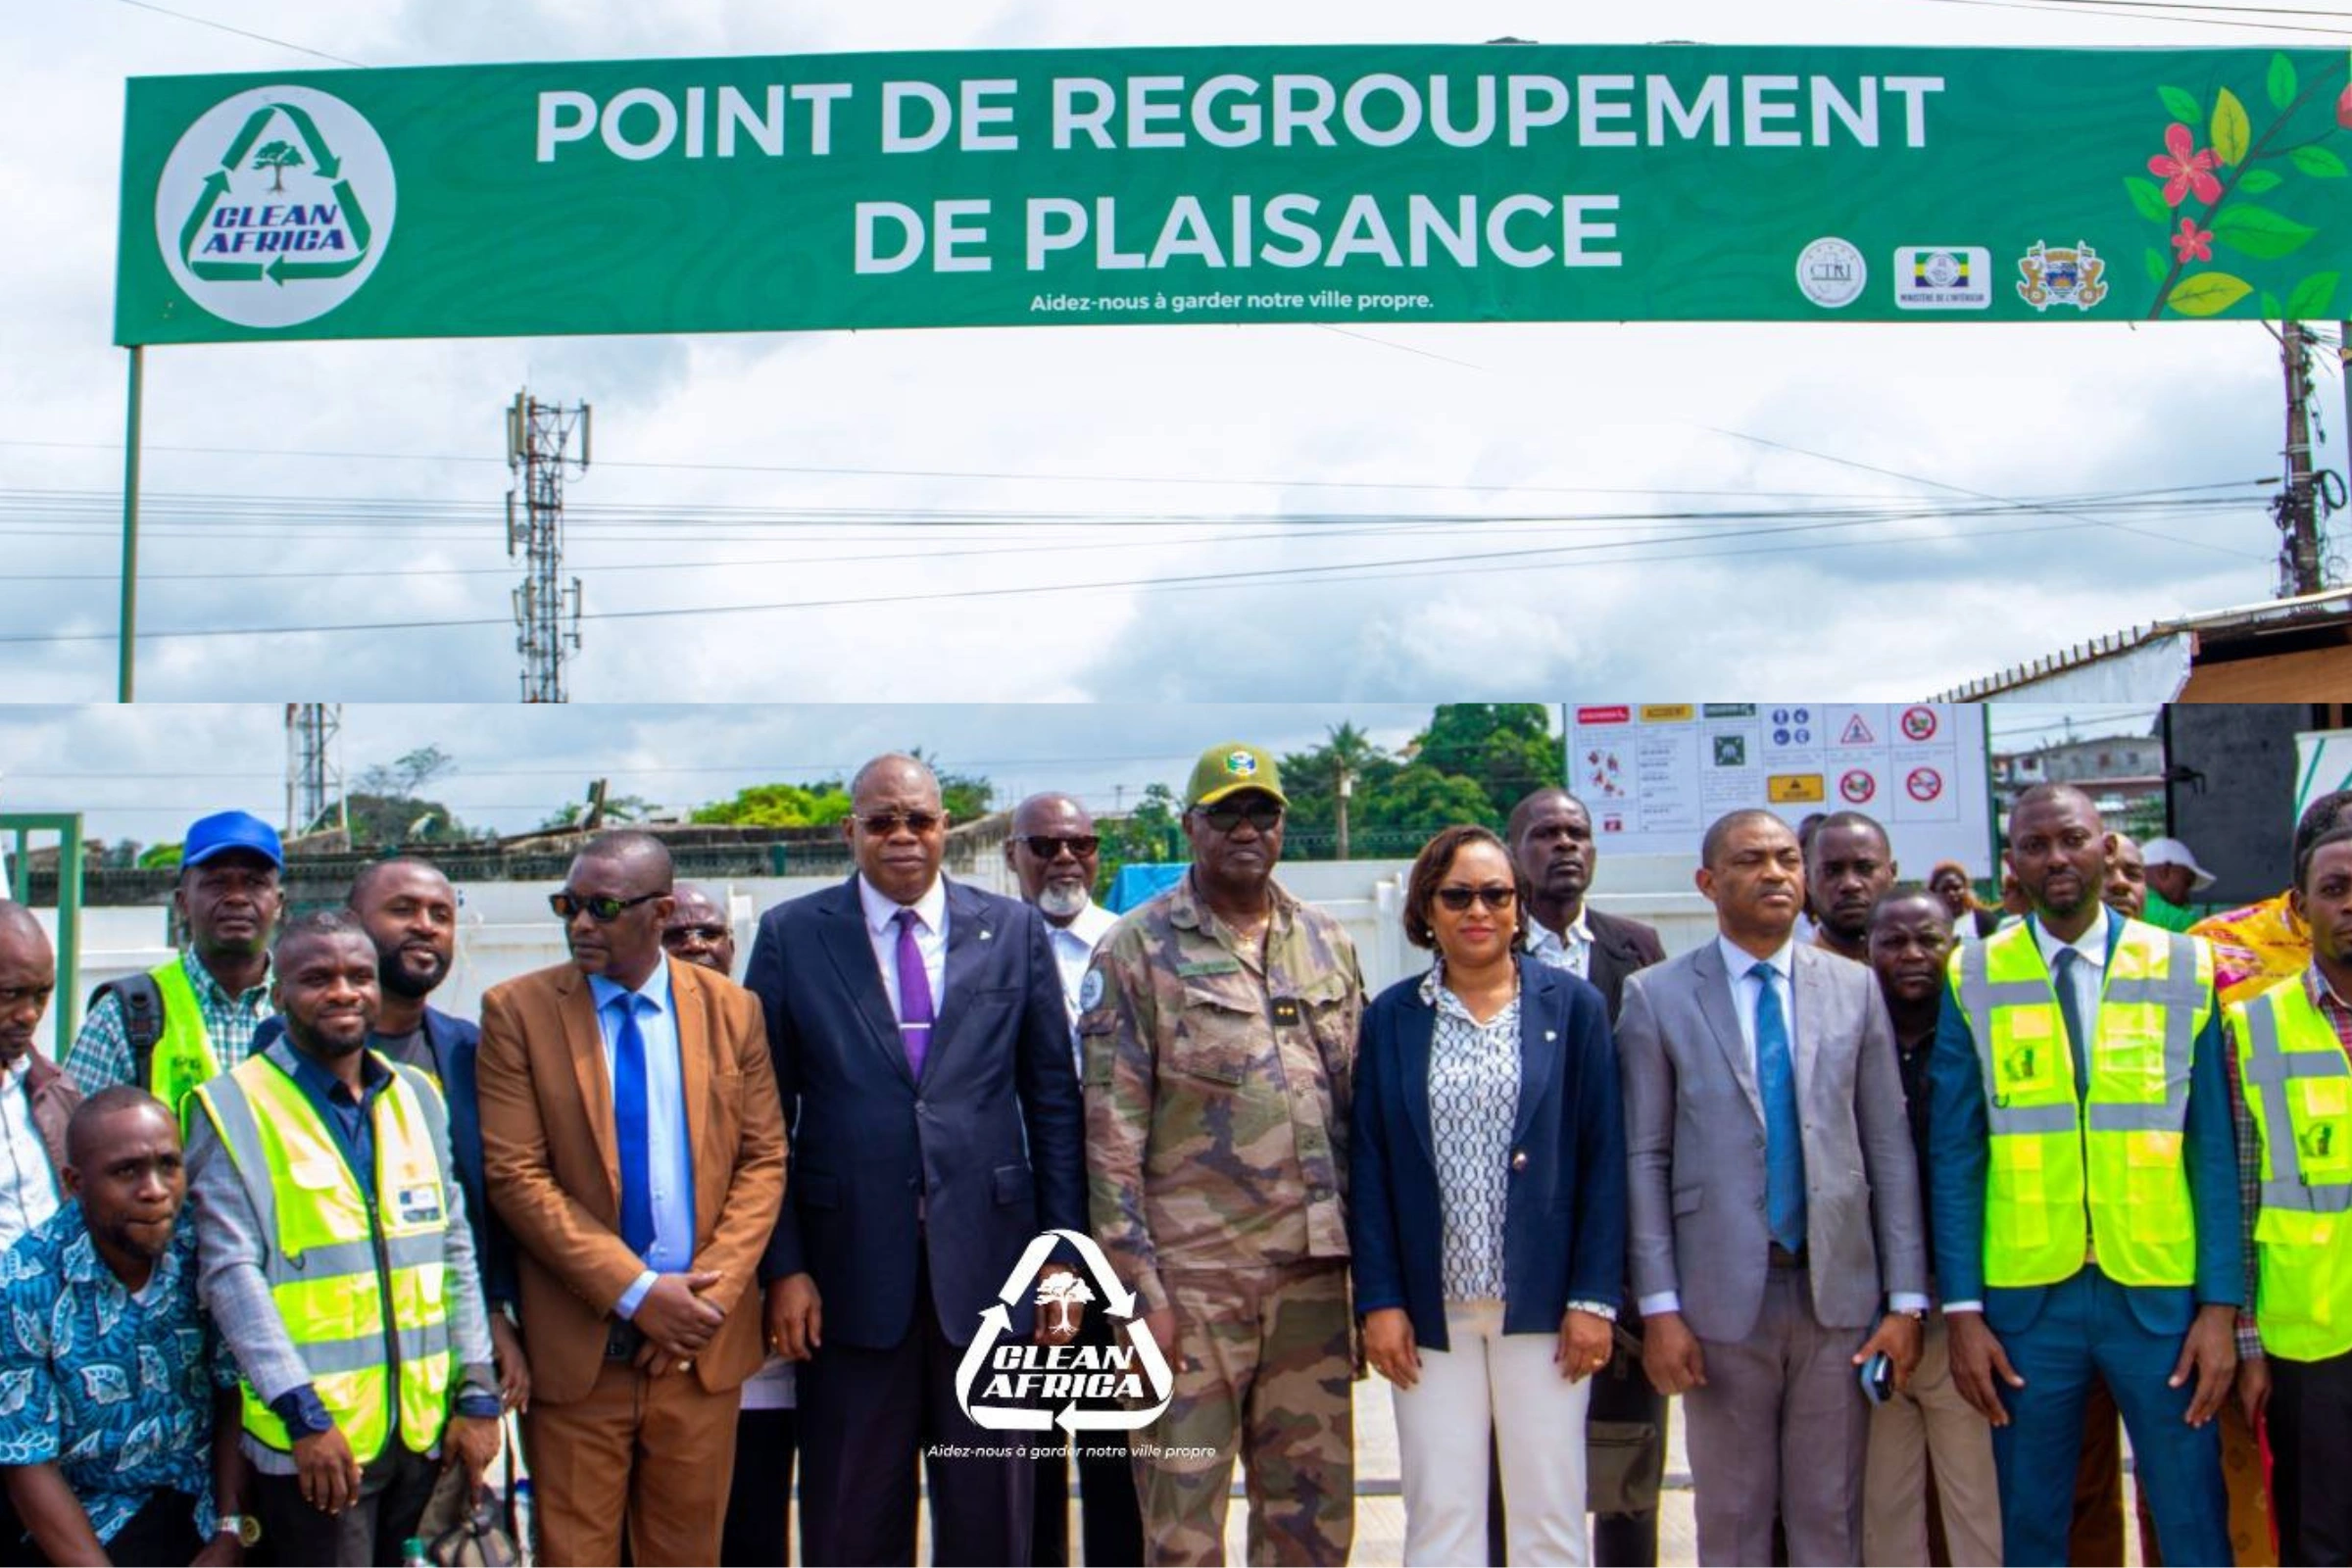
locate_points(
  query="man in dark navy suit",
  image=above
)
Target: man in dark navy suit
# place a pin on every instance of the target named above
(923, 1050)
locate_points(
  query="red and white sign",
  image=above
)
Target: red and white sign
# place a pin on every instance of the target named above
(1925, 783)
(1604, 716)
(1857, 786)
(1919, 723)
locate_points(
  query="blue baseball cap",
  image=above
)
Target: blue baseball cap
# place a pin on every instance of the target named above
(224, 831)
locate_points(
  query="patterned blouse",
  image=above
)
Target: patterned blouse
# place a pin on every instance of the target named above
(116, 1389)
(1473, 1106)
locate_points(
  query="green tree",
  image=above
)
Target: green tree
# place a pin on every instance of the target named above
(966, 797)
(817, 805)
(400, 819)
(277, 157)
(1507, 748)
(1147, 835)
(160, 856)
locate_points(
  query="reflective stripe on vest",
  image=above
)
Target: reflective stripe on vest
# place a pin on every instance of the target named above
(2064, 1173)
(322, 1265)
(2298, 1087)
(184, 1055)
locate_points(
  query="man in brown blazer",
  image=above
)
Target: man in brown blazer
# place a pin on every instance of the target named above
(634, 1144)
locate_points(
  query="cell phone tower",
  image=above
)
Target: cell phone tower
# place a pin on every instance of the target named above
(547, 608)
(314, 768)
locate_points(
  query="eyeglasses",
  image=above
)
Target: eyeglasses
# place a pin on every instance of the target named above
(1496, 895)
(882, 824)
(1045, 847)
(1263, 816)
(678, 936)
(603, 911)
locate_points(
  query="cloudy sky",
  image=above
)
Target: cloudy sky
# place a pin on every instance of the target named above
(361, 478)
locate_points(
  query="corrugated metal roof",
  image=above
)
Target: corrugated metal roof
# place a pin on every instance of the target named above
(2269, 615)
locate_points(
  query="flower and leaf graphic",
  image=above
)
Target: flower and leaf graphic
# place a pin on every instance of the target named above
(2203, 196)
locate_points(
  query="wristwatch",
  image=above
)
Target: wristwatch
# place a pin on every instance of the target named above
(247, 1528)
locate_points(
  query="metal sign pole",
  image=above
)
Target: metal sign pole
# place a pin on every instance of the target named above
(125, 655)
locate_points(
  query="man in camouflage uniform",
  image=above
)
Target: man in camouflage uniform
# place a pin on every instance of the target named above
(1218, 1029)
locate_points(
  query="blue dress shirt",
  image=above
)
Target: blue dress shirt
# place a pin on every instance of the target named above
(667, 1153)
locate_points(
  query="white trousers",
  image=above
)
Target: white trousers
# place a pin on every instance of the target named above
(1538, 1416)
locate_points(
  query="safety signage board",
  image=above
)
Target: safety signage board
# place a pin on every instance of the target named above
(1655, 775)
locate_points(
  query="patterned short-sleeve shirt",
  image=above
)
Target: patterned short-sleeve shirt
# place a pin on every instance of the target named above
(116, 1389)
(1473, 1106)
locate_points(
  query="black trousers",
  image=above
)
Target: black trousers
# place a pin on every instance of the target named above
(393, 1491)
(1111, 1522)
(759, 1527)
(162, 1531)
(2311, 1450)
(866, 1416)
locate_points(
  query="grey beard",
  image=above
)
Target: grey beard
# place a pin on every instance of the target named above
(1061, 900)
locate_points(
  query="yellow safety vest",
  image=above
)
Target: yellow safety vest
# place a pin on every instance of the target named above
(2106, 1169)
(362, 1291)
(2298, 1087)
(183, 1058)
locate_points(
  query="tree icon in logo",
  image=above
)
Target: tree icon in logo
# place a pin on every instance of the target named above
(1062, 1292)
(277, 157)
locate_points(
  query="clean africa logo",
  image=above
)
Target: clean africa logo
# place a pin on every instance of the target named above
(275, 206)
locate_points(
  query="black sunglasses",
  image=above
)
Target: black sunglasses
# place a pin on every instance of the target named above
(882, 824)
(675, 936)
(1496, 895)
(1045, 846)
(1263, 816)
(603, 911)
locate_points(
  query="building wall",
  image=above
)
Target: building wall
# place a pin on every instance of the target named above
(2239, 818)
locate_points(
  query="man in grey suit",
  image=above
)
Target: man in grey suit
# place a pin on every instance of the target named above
(1775, 1196)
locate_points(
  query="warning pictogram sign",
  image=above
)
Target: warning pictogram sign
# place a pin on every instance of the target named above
(1924, 783)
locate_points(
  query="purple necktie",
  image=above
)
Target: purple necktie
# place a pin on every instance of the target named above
(914, 995)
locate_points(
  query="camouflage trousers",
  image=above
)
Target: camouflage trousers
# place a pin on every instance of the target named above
(1264, 1370)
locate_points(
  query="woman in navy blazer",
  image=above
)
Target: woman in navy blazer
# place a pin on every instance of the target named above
(1487, 1212)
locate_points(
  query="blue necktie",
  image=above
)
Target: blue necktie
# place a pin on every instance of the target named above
(1783, 1145)
(631, 1127)
(2070, 1008)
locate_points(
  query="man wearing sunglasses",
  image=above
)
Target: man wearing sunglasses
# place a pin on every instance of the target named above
(1054, 855)
(923, 1052)
(1218, 1030)
(635, 1147)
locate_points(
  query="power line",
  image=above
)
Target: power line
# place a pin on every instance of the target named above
(258, 37)
(2079, 8)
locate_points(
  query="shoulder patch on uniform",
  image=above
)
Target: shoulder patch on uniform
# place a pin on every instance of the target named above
(1090, 990)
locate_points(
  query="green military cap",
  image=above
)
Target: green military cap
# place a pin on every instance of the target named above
(1231, 768)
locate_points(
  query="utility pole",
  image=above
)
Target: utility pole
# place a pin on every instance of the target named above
(314, 774)
(2299, 564)
(547, 609)
(1345, 792)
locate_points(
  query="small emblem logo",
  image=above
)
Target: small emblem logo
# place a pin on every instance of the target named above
(2066, 275)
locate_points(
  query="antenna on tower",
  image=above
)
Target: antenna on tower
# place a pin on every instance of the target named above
(547, 608)
(314, 769)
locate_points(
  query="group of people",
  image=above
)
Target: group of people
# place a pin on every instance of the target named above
(1890, 1206)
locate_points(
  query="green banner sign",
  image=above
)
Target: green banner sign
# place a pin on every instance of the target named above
(1364, 184)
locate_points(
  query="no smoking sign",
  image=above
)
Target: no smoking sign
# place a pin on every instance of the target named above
(1924, 783)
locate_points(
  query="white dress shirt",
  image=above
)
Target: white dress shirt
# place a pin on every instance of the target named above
(28, 1186)
(930, 939)
(1571, 951)
(670, 1164)
(1074, 948)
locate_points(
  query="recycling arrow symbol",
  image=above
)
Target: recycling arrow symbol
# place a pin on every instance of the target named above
(323, 163)
(1124, 1311)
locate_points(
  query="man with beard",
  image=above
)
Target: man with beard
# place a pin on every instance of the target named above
(1551, 843)
(2087, 1204)
(1848, 867)
(340, 1267)
(1054, 853)
(410, 911)
(2125, 888)
(1926, 1430)
(118, 1429)
(188, 1019)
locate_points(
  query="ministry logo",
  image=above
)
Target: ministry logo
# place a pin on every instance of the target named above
(1008, 1385)
(276, 205)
